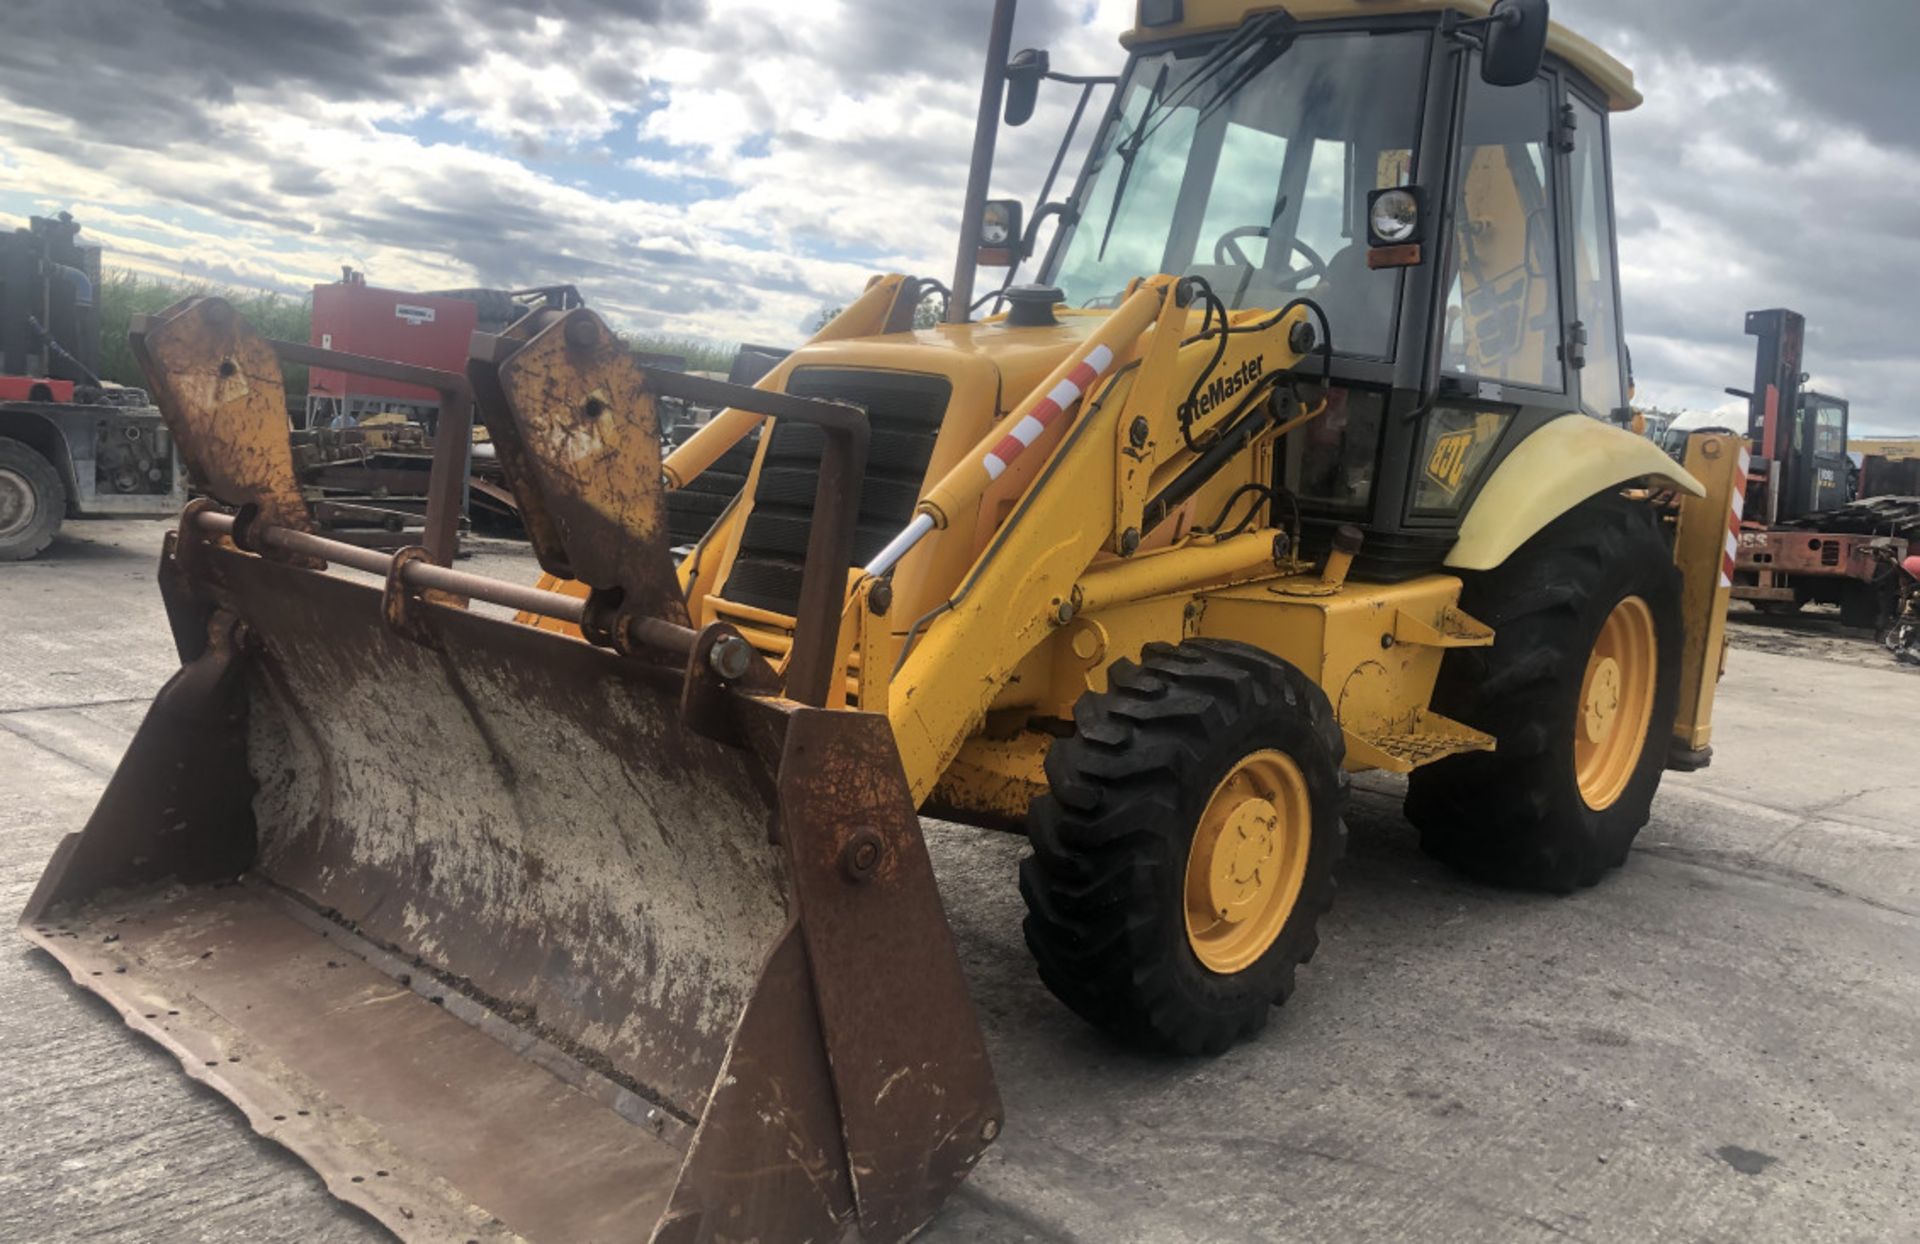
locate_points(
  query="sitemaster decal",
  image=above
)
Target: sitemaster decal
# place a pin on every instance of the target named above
(1223, 387)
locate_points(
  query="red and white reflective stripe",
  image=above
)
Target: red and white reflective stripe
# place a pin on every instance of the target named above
(1734, 512)
(1046, 410)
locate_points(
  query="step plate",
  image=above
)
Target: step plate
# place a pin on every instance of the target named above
(1432, 738)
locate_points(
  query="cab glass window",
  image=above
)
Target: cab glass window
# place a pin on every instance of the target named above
(1602, 383)
(1830, 429)
(1330, 461)
(1503, 306)
(1248, 164)
(1455, 446)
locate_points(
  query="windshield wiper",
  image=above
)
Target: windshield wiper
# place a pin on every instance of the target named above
(1261, 31)
(1129, 148)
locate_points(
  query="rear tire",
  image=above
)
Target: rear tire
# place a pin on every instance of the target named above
(1177, 747)
(1527, 814)
(32, 501)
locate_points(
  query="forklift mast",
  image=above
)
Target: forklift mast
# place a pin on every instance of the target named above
(1785, 476)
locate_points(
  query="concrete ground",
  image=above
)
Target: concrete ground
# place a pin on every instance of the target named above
(1721, 1043)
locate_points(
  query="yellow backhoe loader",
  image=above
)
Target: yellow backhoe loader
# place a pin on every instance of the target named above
(600, 910)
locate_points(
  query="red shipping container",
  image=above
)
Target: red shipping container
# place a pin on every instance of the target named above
(358, 318)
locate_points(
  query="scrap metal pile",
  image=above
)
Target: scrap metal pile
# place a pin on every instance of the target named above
(367, 484)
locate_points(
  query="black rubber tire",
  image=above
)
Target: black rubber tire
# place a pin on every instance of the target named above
(1515, 816)
(1868, 606)
(49, 500)
(1104, 885)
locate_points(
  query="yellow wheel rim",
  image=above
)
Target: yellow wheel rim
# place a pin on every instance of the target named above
(1247, 861)
(1616, 704)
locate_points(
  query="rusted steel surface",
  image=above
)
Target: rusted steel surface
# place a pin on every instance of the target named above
(417, 572)
(178, 805)
(588, 455)
(490, 405)
(812, 667)
(918, 1104)
(1829, 554)
(218, 385)
(573, 418)
(415, 1116)
(608, 908)
(525, 812)
(769, 1147)
(515, 936)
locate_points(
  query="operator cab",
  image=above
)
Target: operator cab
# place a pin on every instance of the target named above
(1451, 215)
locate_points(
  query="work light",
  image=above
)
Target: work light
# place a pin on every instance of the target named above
(1393, 216)
(999, 240)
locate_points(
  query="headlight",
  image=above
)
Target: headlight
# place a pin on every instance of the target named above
(1393, 218)
(996, 224)
(999, 243)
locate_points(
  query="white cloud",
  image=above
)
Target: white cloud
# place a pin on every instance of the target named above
(781, 160)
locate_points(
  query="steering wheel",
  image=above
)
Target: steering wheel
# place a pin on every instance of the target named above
(1227, 251)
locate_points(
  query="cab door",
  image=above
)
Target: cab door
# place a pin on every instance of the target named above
(1532, 326)
(1826, 423)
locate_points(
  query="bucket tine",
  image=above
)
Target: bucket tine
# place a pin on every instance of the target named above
(581, 448)
(219, 386)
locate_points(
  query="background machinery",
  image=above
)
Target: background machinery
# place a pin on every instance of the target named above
(613, 916)
(363, 441)
(1804, 536)
(1889, 467)
(71, 444)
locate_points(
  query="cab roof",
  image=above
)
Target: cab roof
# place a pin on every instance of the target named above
(1204, 16)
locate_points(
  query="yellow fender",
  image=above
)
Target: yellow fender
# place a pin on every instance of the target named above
(1562, 464)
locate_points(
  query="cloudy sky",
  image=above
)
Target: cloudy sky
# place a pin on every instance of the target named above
(728, 167)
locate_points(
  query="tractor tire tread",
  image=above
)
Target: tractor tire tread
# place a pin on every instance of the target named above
(1105, 919)
(1514, 816)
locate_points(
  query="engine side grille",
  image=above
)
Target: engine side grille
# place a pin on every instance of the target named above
(904, 412)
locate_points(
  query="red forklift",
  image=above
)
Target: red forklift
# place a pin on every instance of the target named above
(1802, 538)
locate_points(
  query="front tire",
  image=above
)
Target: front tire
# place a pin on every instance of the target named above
(1579, 689)
(1185, 854)
(32, 501)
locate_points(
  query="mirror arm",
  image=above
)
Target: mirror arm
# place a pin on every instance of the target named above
(1455, 25)
(1471, 31)
(1066, 212)
(1045, 209)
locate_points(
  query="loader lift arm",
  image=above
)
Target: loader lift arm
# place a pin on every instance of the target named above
(1130, 435)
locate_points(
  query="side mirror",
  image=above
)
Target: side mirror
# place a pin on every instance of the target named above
(1516, 42)
(1024, 72)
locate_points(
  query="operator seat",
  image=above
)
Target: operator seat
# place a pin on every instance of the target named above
(1353, 294)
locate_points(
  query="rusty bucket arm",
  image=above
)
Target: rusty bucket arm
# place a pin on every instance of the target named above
(508, 935)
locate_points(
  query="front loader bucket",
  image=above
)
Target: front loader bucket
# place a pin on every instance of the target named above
(507, 934)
